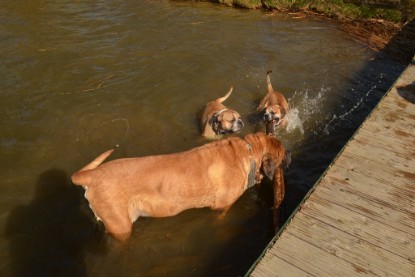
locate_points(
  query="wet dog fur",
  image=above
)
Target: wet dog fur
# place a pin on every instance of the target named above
(214, 175)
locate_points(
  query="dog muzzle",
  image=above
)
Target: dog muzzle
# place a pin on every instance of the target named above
(269, 117)
(237, 125)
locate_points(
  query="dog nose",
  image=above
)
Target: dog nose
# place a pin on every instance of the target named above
(237, 125)
(267, 117)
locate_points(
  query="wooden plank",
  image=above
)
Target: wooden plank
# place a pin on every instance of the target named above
(374, 133)
(384, 129)
(396, 174)
(393, 148)
(395, 102)
(379, 176)
(395, 200)
(393, 145)
(401, 112)
(274, 266)
(386, 175)
(362, 227)
(389, 113)
(360, 219)
(310, 258)
(370, 257)
(375, 208)
(376, 190)
(375, 155)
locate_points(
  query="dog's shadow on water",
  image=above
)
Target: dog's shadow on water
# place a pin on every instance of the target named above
(51, 235)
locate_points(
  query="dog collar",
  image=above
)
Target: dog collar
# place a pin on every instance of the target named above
(252, 171)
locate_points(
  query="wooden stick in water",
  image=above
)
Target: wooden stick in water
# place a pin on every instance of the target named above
(270, 128)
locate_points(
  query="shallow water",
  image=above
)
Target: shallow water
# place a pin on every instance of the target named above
(81, 77)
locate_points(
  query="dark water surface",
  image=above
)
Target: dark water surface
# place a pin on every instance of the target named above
(78, 77)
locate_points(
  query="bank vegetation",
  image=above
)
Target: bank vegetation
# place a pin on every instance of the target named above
(375, 22)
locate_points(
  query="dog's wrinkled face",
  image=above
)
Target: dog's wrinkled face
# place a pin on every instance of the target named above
(228, 122)
(274, 113)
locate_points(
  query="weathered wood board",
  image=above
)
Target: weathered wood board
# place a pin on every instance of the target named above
(359, 218)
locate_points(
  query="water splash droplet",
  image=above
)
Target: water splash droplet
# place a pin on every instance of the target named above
(294, 121)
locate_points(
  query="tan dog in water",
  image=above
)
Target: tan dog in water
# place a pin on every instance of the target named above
(214, 175)
(216, 119)
(274, 106)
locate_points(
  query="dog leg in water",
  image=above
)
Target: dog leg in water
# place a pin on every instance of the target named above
(223, 212)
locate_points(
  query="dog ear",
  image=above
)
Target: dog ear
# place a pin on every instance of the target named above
(268, 166)
(283, 112)
(219, 117)
(263, 105)
(212, 120)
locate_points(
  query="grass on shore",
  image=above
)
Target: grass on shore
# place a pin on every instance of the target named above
(389, 10)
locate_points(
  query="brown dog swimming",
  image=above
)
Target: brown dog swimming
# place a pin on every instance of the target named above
(274, 106)
(214, 175)
(216, 119)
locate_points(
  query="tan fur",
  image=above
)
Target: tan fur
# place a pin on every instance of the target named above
(227, 121)
(214, 175)
(274, 105)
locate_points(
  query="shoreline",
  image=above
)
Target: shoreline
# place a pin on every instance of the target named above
(395, 40)
(388, 35)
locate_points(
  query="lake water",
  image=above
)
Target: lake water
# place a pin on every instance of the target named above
(79, 77)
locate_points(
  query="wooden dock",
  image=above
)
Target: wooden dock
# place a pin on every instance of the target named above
(359, 218)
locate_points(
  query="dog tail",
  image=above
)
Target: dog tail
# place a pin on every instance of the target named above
(221, 99)
(77, 177)
(270, 89)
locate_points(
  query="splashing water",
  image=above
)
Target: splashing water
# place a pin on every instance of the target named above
(306, 110)
(343, 116)
(306, 116)
(294, 121)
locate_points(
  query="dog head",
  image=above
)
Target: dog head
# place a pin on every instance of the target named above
(226, 121)
(273, 154)
(274, 113)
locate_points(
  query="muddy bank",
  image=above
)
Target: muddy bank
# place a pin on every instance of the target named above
(396, 41)
(390, 10)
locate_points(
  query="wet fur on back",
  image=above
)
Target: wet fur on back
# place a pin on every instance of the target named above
(214, 175)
